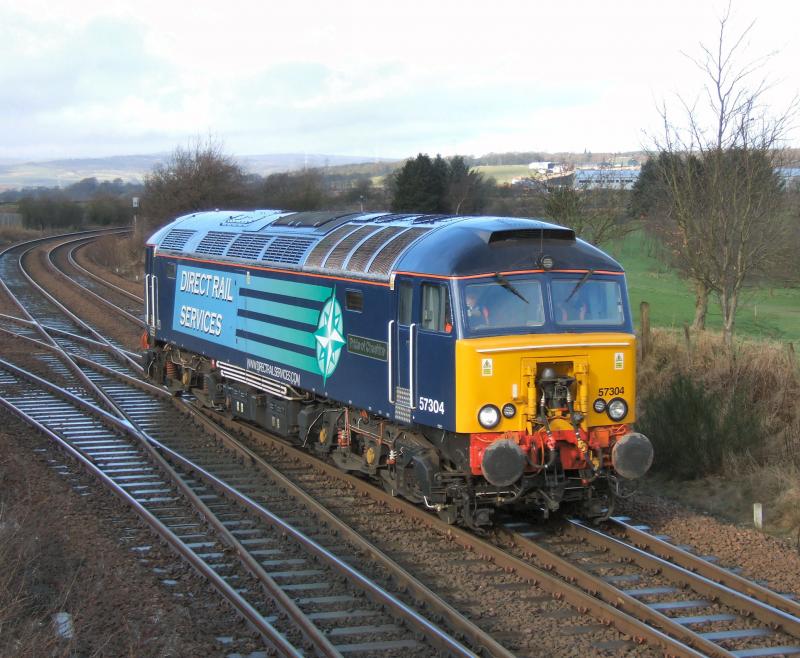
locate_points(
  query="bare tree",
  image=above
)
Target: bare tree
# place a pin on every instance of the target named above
(723, 198)
(467, 189)
(198, 177)
(303, 190)
(596, 215)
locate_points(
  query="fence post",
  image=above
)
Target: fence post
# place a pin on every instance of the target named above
(644, 310)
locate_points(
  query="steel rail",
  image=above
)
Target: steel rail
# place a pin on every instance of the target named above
(612, 595)
(422, 625)
(404, 579)
(89, 342)
(72, 316)
(559, 587)
(102, 300)
(699, 583)
(312, 633)
(416, 621)
(153, 448)
(49, 339)
(73, 261)
(712, 571)
(270, 635)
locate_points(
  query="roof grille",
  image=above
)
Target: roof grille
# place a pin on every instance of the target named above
(215, 242)
(247, 218)
(176, 239)
(248, 246)
(287, 249)
(388, 255)
(361, 258)
(431, 219)
(311, 219)
(395, 217)
(341, 251)
(319, 252)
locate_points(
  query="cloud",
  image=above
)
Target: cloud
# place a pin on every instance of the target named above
(351, 77)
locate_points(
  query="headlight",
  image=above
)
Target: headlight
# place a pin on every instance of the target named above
(599, 405)
(617, 409)
(489, 416)
(509, 410)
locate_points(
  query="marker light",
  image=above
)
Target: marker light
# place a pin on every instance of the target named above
(509, 410)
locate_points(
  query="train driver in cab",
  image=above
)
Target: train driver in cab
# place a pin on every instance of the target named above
(477, 313)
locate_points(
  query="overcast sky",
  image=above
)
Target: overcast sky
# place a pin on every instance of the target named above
(376, 78)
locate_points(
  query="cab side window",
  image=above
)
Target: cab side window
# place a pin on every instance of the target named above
(436, 313)
(405, 301)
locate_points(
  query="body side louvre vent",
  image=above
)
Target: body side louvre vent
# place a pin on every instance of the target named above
(390, 252)
(214, 243)
(287, 250)
(341, 251)
(363, 255)
(176, 239)
(248, 246)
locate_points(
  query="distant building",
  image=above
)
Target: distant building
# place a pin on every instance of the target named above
(546, 167)
(790, 176)
(620, 178)
(10, 219)
(624, 161)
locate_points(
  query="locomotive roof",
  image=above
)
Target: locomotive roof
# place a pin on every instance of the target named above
(373, 245)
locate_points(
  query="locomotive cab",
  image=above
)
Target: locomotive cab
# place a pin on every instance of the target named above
(546, 379)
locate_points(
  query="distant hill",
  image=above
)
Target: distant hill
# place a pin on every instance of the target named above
(132, 168)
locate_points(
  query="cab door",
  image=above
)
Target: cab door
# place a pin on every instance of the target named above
(402, 371)
(434, 357)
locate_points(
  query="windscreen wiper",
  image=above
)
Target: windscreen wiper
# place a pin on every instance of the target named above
(508, 286)
(579, 284)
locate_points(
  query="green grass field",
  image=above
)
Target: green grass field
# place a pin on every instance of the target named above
(504, 173)
(763, 313)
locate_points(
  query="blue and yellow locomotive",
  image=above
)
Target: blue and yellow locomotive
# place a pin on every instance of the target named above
(467, 363)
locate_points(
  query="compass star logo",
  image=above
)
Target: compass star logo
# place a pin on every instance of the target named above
(329, 336)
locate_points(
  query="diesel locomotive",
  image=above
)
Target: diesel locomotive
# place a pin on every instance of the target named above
(466, 363)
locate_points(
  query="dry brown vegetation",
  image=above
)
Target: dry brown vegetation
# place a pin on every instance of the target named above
(728, 414)
(122, 255)
(12, 234)
(66, 546)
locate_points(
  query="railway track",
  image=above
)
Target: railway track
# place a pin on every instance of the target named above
(317, 602)
(640, 587)
(715, 611)
(119, 300)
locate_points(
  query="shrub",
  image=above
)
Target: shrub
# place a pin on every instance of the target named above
(706, 406)
(694, 429)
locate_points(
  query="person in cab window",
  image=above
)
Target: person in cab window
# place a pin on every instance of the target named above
(477, 313)
(575, 309)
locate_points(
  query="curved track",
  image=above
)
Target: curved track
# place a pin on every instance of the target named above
(326, 607)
